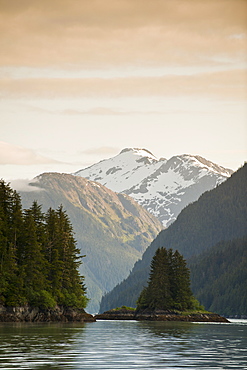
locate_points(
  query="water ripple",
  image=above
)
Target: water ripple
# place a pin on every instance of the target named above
(123, 345)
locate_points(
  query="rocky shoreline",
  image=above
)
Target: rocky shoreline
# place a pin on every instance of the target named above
(67, 314)
(35, 314)
(126, 314)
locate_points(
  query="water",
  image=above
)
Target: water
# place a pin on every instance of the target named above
(124, 345)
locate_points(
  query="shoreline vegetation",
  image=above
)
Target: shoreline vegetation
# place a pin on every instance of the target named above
(128, 313)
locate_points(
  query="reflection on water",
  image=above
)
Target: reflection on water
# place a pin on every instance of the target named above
(123, 345)
(37, 346)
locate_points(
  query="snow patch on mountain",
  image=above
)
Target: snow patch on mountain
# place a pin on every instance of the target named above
(122, 171)
(164, 187)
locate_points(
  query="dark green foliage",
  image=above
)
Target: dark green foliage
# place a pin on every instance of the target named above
(219, 215)
(39, 260)
(11, 224)
(169, 283)
(220, 277)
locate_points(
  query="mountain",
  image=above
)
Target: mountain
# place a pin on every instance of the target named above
(111, 229)
(219, 215)
(164, 187)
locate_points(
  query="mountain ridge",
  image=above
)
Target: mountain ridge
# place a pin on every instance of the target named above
(164, 187)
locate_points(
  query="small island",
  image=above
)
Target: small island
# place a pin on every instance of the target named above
(167, 297)
(125, 313)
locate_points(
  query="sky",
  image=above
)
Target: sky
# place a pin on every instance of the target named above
(82, 80)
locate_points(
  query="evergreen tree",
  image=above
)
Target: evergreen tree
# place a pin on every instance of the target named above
(159, 287)
(63, 255)
(72, 283)
(3, 256)
(15, 294)
(180, 282)
(52, 251)
(33, 260)
(168, 284)
(39, 219)
(10, 230)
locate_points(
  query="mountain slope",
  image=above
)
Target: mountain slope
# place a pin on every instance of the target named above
(219, 277)
(218, 215)
(163, 187)
(111, 229)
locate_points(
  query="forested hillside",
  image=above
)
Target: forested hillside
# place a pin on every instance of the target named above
(219, 277)
(218, 215)
(39, 260)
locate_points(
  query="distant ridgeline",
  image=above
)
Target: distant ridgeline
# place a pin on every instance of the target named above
(38, 256)
(211, 234)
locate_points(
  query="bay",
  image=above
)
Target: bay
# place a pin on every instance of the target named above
(124, 345)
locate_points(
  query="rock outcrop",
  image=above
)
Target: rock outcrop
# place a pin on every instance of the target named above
(35, 314)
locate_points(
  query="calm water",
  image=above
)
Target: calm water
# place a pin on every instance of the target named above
(124, 345)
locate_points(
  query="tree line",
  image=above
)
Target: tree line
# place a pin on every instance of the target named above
(39, 259)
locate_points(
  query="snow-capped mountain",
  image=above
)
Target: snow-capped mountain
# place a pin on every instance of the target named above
(164, 187)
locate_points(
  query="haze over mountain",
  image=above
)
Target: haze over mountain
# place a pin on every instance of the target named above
(219, 216)
(111, 229)
(164, 187)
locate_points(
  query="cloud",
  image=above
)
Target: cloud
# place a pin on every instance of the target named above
(75, 112)
(94, 111)
(105, 33)
(17, 155)
(101, 111)
(25, 185)
(223, 84)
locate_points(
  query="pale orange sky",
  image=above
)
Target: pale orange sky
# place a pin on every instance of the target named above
(81, 80)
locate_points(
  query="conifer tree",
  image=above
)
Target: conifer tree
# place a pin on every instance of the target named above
(168, 284)
(10, 229)
(3, 256)
(159, 287)
(180, 282)
(33, 261)
(39, 218)
(52, 251)
(72, 283)
(63, 255)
